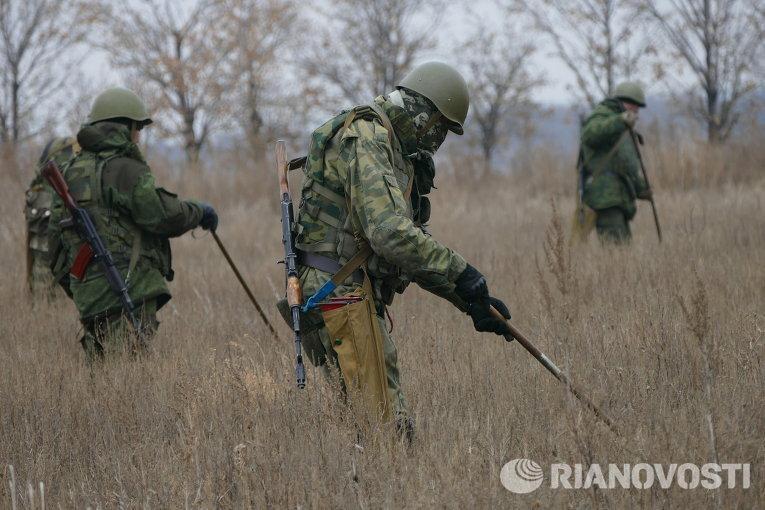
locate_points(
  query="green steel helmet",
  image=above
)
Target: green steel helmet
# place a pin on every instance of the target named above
(445, 87)
(630, 91)
(118, 102)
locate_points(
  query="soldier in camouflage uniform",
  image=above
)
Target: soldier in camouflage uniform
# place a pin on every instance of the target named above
(134, 217)
(613, 179)
(37, 212)
(366, 179)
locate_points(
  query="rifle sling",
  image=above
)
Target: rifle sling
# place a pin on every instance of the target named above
(607, 158)
(352, 265)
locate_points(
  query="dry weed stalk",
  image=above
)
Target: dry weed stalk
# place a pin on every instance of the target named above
(558, 253)
(697, 318)
(558, 262)
(544, 287)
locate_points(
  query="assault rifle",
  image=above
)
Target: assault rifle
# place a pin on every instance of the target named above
(294, 292)
(93, 247)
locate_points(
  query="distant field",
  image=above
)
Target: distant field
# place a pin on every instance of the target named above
(214, 419)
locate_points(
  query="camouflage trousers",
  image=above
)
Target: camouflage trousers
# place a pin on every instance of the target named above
(612, 226)
(113, 335)
(318, 348)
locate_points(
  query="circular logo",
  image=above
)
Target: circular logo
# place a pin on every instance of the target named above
(521, 476)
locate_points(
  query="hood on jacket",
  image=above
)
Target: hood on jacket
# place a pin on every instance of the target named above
(614, 104)
(104, 136)
(108, 136)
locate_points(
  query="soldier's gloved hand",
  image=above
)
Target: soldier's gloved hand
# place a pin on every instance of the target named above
(209, 219)
(630, 118)
(472, 289)
(485, 321)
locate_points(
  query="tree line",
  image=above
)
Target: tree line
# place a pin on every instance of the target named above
(252, 69)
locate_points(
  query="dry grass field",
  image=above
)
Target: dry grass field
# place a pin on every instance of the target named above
(667, 338)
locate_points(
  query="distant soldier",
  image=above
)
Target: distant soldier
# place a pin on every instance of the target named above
(363, 208)
(609, 161)
(37, 212)
(134, 217)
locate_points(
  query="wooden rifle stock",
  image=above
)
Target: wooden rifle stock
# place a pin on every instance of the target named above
(52, 174)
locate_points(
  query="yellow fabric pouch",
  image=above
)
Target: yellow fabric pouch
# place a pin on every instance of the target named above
(357, 340)
(583, 223)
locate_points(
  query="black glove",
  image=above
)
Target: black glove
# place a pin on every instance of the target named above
(472, 289)
(209, 219)
(485, 321)
(471, 285)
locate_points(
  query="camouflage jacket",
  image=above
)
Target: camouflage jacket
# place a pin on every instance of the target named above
(364, 168)
(134, 218)
(39, 196)
(612, 172)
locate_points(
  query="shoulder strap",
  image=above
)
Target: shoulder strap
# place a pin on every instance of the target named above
(353, 264)
(597, 171)
(384, 119)
(365, 250)
(137, 244)
(393, 142)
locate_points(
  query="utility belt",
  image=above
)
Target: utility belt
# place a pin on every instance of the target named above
(326, 264)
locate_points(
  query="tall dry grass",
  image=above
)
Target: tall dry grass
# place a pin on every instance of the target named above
(667, 338)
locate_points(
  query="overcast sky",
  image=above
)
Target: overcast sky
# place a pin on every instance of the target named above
(460, 20)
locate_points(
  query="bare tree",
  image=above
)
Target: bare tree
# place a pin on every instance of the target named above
(368, 45)
(595, 39)
(719, 42)
(260, 33)
(500, 85)
(178, 53)
(83, 89)
(36, 37)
